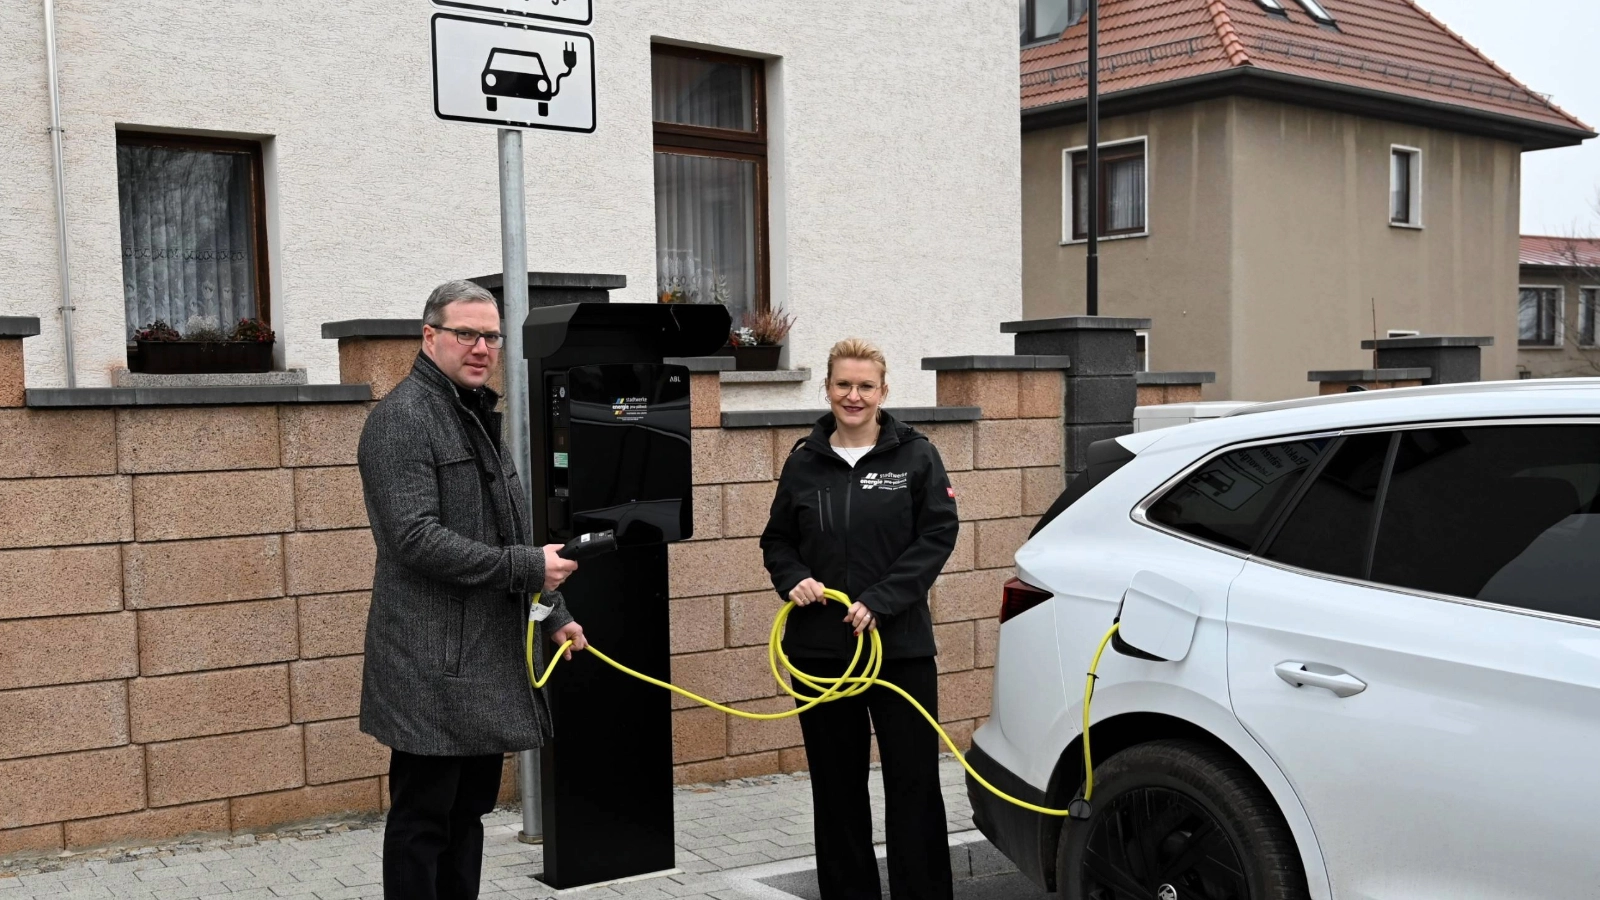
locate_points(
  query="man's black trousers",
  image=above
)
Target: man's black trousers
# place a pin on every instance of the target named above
(838, 739)
(433, 843)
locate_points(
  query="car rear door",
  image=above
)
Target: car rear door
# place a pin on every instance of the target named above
(1418, 647)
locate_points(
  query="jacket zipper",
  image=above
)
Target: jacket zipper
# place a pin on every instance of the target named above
(822, 513)
(516, 537)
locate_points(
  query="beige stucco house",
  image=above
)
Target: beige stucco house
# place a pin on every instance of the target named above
(1558, 297)
(1280, 181)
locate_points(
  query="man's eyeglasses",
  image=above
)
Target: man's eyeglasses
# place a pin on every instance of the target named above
(467, 337)
(867, 389)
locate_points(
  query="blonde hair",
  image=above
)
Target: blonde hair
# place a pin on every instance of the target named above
(856, 348)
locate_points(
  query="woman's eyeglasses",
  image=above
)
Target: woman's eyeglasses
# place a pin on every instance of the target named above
(867, 389)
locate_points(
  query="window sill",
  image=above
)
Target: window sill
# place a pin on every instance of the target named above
(1407, 226)
(1108, 237)
(1540, 347)
(749, 376)
(123, 378)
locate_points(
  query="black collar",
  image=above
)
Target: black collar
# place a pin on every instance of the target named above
(429, 373)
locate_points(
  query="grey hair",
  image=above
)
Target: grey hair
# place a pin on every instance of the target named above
(459, 291)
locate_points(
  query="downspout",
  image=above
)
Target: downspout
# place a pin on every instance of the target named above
(61, 191)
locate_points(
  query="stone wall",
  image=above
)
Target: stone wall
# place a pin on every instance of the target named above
(183, 593)
(184, 590)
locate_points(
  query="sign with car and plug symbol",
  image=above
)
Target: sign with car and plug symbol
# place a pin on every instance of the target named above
(512, 74)
(577, 12)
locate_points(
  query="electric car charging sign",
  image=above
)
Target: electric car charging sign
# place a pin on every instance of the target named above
(577, 12)
(512, 74)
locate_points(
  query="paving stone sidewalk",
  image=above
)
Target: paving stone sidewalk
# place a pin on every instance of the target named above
(730, 836)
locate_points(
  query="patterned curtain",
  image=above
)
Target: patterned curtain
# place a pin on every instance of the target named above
(188, 242)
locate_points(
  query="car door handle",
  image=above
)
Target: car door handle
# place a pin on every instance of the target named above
(1299, 674)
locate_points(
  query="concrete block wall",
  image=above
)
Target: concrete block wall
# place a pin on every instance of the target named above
(183, 598)
(1006, 470)
(184, 591)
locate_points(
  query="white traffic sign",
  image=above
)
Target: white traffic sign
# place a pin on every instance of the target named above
(578, 12)
(512, 75)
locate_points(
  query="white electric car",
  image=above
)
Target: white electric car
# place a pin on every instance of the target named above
(1359, 655)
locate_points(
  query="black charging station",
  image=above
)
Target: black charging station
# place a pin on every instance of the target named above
(611, 451)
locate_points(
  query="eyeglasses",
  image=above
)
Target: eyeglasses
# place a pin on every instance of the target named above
(866, 389)
(467, 337)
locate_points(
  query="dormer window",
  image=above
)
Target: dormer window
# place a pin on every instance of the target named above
(1274, 7)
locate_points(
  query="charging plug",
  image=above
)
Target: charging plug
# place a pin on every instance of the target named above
(588, 546)
(1080, 809)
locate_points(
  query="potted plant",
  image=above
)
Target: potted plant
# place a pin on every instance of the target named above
(203, 348)
(758, 341)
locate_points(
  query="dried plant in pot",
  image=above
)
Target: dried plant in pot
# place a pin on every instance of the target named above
(758, 341)
(203, 348)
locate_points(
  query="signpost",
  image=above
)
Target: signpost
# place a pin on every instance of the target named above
(516, 73)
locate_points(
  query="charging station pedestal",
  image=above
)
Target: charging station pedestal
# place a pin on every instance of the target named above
(611, 449)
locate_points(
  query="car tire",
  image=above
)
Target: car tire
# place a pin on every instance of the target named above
(1168, 795)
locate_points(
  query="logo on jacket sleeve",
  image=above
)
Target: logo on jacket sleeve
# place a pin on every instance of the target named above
(884, 481)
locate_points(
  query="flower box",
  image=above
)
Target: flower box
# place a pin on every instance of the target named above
(760, 358)
(202, 357)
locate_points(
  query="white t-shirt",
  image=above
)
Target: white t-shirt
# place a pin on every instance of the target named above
(851, 455)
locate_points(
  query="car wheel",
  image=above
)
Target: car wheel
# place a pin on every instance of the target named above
(1177, 820)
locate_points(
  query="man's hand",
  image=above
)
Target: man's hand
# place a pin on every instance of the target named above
(556, 569)
(808, 591)
(573, 632)
(860, 618)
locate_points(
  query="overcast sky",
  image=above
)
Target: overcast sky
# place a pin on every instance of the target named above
(1549, 45)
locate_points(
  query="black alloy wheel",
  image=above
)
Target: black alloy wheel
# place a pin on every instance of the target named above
(1177, 820)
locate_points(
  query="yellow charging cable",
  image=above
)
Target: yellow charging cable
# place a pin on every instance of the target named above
(846, 685)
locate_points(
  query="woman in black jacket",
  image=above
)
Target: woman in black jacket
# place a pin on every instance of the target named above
(864, 506)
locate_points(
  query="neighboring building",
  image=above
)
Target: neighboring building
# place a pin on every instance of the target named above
(282, 160)
(1558, 297)
(1281, 179)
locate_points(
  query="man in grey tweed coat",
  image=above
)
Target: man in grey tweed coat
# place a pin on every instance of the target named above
(444, 685)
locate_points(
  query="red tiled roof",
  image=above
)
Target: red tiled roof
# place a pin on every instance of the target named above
(1392, 46)
(1564, 252)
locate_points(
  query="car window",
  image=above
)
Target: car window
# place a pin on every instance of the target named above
(1330, 529)
(1231, 500)
(1507, 514)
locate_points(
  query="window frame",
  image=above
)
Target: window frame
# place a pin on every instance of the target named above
(1560, 336)
(729, 143)
(1318, 13)
(1069, 190)
(1589, 297)
(1414, 189)
(1030, 7)
(258, 195)
(1138, 513)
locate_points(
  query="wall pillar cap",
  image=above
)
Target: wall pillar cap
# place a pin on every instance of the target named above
(997, 363)
(1427, 340)
(1419, 373)
(1175, 377)
(18, 326)
(373, 328)
(1075, 323)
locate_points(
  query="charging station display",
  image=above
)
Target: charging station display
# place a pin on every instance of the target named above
(620, 452)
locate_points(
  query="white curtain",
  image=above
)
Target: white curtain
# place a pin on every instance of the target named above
(188, 245)
(1125, 186)
(706, 229)
(1536, 316)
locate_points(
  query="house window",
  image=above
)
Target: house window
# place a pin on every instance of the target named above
(1044, 20)
(711, 178)
(1141, 351)
(1539, 317)
(1588, 306)
(1121, 189)
(1405, 187)
(1315, 10)
(194, 230)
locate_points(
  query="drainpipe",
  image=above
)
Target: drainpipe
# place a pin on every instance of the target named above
(61, 191)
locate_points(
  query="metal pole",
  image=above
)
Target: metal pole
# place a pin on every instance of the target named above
(514, 297)
(61, 190)
(1092, 271)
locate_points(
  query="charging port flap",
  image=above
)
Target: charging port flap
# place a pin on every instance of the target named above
(1159, 616)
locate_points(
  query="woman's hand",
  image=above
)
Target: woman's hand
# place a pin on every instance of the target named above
(808, 591)
(573, 632)
(860, 618)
